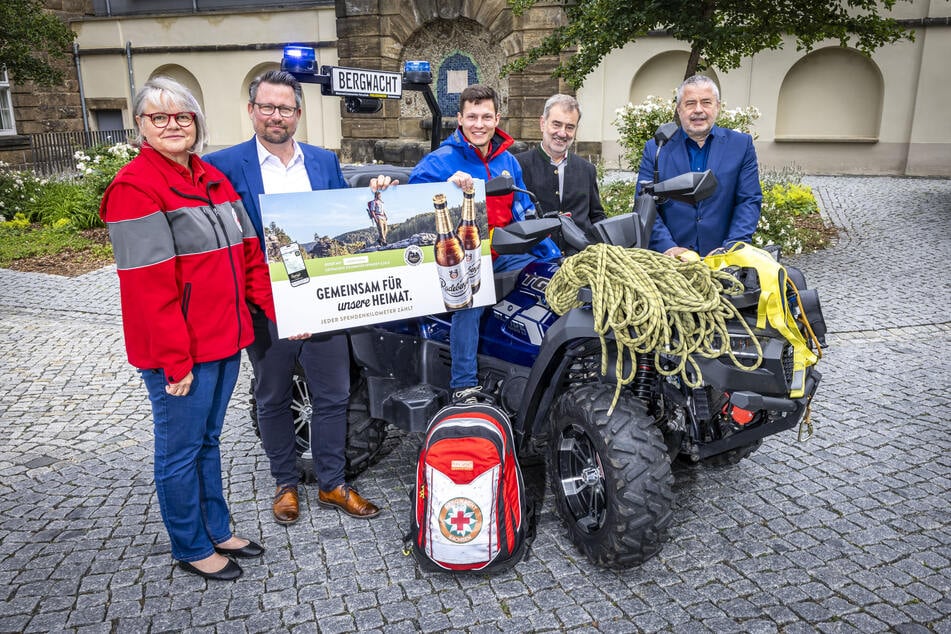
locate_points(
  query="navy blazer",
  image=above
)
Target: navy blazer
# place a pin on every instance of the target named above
(240, 164)
(729, 215)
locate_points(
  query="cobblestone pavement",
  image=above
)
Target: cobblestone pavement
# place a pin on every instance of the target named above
(848, 532)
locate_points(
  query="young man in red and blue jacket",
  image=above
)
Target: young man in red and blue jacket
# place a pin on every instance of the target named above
(479, 149)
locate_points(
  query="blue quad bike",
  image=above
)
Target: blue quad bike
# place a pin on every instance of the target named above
(609, 473)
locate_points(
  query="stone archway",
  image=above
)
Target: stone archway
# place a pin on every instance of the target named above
(833, 94)
(462, 52)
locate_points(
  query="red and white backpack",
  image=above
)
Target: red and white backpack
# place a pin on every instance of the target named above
(470, 507)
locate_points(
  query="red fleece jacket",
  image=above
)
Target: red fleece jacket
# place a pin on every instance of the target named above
(188, 262)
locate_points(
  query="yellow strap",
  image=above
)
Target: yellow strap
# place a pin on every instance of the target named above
(773, 306)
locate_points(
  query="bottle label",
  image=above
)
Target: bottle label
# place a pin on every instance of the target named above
(474, 266)
(454, 281)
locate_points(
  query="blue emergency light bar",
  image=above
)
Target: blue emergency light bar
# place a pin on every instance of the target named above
(417, 71)
(299, 59)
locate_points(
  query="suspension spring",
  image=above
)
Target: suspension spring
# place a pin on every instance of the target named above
(645, 377)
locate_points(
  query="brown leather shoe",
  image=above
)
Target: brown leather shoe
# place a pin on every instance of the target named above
(349, 501)
(286, 507)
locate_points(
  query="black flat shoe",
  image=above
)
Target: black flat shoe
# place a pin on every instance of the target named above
(245, 552)
(230, 572)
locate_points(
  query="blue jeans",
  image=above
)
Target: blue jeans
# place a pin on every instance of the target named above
(464, 348)
(188, 458)
(464, 334)
(325, 359)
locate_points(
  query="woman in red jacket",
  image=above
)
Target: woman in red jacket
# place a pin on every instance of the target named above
(189, 263)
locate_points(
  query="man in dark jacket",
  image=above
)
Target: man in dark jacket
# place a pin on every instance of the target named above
(562, 181)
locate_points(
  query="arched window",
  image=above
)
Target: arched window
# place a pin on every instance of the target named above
(660, 76)
(185, 78)
(7, 122)
(833, 94)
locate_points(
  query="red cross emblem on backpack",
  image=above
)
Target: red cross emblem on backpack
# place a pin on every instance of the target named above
(460, 520)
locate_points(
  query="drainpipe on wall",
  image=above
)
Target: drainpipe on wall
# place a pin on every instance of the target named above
(128, 61)
(82, 92)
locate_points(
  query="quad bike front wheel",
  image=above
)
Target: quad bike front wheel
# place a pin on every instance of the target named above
(365, 434)
(610, 476)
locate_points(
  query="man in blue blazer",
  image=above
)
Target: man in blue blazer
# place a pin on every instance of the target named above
(273, 162)
(732, 213)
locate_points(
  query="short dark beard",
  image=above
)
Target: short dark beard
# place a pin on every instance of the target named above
(276, 140)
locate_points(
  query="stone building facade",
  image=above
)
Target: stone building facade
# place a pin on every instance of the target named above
(46, 108)
(831, 110)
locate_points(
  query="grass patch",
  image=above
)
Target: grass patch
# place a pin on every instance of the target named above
(61, 250)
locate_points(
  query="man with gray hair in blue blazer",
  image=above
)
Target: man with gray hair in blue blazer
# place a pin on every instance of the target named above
(731, 214)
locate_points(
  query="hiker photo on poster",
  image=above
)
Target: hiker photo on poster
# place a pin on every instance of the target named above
(333, 266)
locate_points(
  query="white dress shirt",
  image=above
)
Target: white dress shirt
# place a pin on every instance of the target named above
(281, 179)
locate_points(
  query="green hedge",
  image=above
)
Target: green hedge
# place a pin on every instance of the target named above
(68, 199)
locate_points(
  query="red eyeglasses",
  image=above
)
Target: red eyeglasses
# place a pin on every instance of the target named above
(161, 119)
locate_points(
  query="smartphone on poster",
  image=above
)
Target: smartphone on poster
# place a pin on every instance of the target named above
(294, 264)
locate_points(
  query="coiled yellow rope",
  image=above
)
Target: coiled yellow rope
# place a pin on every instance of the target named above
(653, 304)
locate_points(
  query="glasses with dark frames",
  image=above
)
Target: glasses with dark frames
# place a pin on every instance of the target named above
(267, 109)
(161, 119)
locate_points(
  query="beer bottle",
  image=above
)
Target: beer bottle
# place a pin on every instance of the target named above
(450, 260)
(468, 233)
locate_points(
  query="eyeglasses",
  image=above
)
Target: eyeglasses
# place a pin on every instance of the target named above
(161, 119)
(267, 109)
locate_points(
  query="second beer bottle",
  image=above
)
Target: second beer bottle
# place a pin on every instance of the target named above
(468, 233)
(450, 260)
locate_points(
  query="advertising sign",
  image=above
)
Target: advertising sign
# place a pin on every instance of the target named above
(345, 257)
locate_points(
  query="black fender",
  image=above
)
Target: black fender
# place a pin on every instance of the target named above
(570, 337)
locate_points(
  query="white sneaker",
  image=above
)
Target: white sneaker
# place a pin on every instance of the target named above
(467, 395)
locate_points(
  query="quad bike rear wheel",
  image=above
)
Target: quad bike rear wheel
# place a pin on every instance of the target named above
(610, 476)
(365, 434)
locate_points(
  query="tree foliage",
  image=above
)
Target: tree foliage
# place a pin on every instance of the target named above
(720, 32)
(30, 37)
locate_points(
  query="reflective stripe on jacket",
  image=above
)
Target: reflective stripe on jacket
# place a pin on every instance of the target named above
(188, 261)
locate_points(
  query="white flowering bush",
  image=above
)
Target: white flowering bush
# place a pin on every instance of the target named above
(19, 192)
(637, 123)
(67, 199)
(617, 196)
(97, 166)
